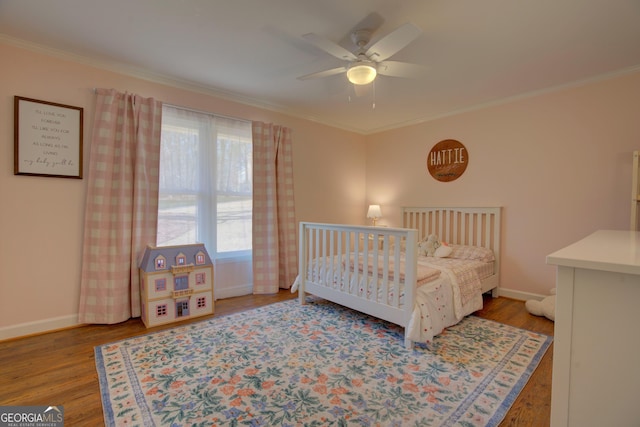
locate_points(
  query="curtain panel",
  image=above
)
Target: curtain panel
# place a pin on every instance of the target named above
(275, 254)
(121, 206)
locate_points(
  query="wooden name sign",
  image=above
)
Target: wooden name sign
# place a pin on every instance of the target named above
(447, 160)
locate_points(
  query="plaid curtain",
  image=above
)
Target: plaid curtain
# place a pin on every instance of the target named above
(275, 254)
(122, 204)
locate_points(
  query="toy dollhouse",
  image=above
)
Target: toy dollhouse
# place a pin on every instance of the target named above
(176, 283)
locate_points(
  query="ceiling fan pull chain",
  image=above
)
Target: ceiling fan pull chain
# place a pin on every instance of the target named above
(373, 105)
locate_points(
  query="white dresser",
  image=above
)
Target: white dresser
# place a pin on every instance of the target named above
(596, 355)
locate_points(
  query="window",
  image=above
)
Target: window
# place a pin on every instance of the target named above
(200, 258)
(181, 283)
(161, 310)
(201, 278)
(205, 182)
(201, 302)
(161, 285)
(181, 259)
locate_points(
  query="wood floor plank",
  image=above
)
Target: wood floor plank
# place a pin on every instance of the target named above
(58, 368)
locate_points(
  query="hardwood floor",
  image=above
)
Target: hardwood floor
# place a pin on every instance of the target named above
(533, 405)
(58, 368)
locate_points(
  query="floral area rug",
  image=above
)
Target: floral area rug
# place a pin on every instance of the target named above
(317, 364)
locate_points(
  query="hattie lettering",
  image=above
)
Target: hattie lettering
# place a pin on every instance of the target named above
(445, 157)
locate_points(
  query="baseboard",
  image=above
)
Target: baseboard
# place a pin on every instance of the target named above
(38, 327)
(519, 295)
(230, 292)
(64, 322)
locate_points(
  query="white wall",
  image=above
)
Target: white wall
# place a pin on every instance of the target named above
(558, 163)
(41, 218)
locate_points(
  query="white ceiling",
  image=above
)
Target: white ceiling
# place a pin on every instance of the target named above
(476, 52)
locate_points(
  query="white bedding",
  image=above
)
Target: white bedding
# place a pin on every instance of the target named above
(441, 300)
(442, 303)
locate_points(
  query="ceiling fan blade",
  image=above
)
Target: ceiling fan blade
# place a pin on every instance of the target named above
(330, 47)
(393, 42)
(400, 69)
(325, 73)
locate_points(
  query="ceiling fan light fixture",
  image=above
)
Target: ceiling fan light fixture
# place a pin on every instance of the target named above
(361, 73)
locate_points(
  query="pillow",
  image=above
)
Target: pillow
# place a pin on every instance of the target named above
(429, 245)
(472, 253)
(443, 251)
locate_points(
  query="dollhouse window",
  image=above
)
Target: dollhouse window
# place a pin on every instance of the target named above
(161, 310)
(181, 283)
(200, 258)
(160, 263)
(201, 302)
(181, 259)
(161, 284)
(200, 278)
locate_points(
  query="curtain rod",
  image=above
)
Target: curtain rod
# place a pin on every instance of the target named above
(193, 110)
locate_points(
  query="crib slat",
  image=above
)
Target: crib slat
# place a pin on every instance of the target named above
(396, 277)
(332, 263)
(375, 280)
(385, 267)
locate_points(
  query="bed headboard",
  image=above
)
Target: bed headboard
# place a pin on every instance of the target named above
(458, 226)
(461, 226)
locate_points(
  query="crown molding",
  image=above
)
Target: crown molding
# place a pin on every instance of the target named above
(145, 74)
(148, 75)
(511, 99)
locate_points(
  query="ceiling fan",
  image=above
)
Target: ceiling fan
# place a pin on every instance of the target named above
(367, 62)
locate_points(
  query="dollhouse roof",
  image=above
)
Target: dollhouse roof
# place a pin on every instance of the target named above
(170, 253)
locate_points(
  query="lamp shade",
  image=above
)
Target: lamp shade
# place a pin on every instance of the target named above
(362, 73)
(374, 212)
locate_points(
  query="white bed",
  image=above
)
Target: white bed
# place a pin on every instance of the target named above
(339, 263)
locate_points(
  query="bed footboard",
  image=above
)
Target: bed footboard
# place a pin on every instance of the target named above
(363, 268)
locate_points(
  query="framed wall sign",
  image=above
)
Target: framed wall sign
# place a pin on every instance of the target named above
(47, 139)
(447, 160)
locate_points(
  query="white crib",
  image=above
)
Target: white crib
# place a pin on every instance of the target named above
(366, 268)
